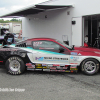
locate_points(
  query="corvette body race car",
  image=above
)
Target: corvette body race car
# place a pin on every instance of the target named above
(46, 54)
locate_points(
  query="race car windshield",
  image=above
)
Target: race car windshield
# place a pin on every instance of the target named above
(65, 45)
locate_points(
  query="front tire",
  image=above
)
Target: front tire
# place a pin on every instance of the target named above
(90, 66)
(15, 65)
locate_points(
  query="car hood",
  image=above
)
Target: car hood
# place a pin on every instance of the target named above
(85, 51)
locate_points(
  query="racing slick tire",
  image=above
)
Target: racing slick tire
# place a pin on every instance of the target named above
(90, 66)
(15, 65)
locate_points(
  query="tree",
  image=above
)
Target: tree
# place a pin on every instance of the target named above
(1, 20)
(16, 20)
(8, 21)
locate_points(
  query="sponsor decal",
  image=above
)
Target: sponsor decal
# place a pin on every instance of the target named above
(55, 59)
(39, 67)
(53, 68)
(51, 59)
(73, 53)
(39, 58)
(62, 65)
(67, 71)
(61, 70)
(47, 58)
(71, 57)
(79, 54)
(29, 65)
(74, 58)
(65, 67)
(37, 43)
(49, 65)
(46, 67)
(46, 70)
(56, 65)
(44, 64)
(71, 71)
(73, 67)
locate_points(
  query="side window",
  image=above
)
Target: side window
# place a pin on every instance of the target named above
(29, 43)
(46, 45)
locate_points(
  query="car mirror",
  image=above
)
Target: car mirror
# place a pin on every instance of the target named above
(73, 47)
(61, 50)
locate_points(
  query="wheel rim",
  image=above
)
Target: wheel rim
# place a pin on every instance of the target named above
(90, 66)
(14, 65)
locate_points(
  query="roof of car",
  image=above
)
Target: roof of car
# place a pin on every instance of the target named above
(32, 39)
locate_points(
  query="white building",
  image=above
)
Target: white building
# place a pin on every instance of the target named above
(61, 18)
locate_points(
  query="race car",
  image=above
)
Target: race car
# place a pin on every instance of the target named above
(47, 54)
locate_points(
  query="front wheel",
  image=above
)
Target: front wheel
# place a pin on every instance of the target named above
(90, 66)
(15, 65)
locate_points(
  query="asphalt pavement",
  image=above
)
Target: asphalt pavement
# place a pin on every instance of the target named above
(49, 86)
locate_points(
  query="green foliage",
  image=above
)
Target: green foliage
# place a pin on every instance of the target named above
(8, 21)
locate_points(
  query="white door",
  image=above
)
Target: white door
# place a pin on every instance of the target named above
(77, 31)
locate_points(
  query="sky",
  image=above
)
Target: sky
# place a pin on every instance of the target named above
(8, 6)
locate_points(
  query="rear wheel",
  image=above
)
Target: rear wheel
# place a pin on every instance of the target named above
(90, 66)
(15, 65)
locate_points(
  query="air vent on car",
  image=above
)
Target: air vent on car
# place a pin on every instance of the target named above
(21, 45)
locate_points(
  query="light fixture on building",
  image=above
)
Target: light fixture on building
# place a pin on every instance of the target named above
(68, 12)
(73, 22)
(45, 16)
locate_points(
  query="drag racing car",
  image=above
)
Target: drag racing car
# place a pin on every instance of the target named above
(47, 54)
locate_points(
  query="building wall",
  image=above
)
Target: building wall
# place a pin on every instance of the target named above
(58, 23)
(81, 7)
